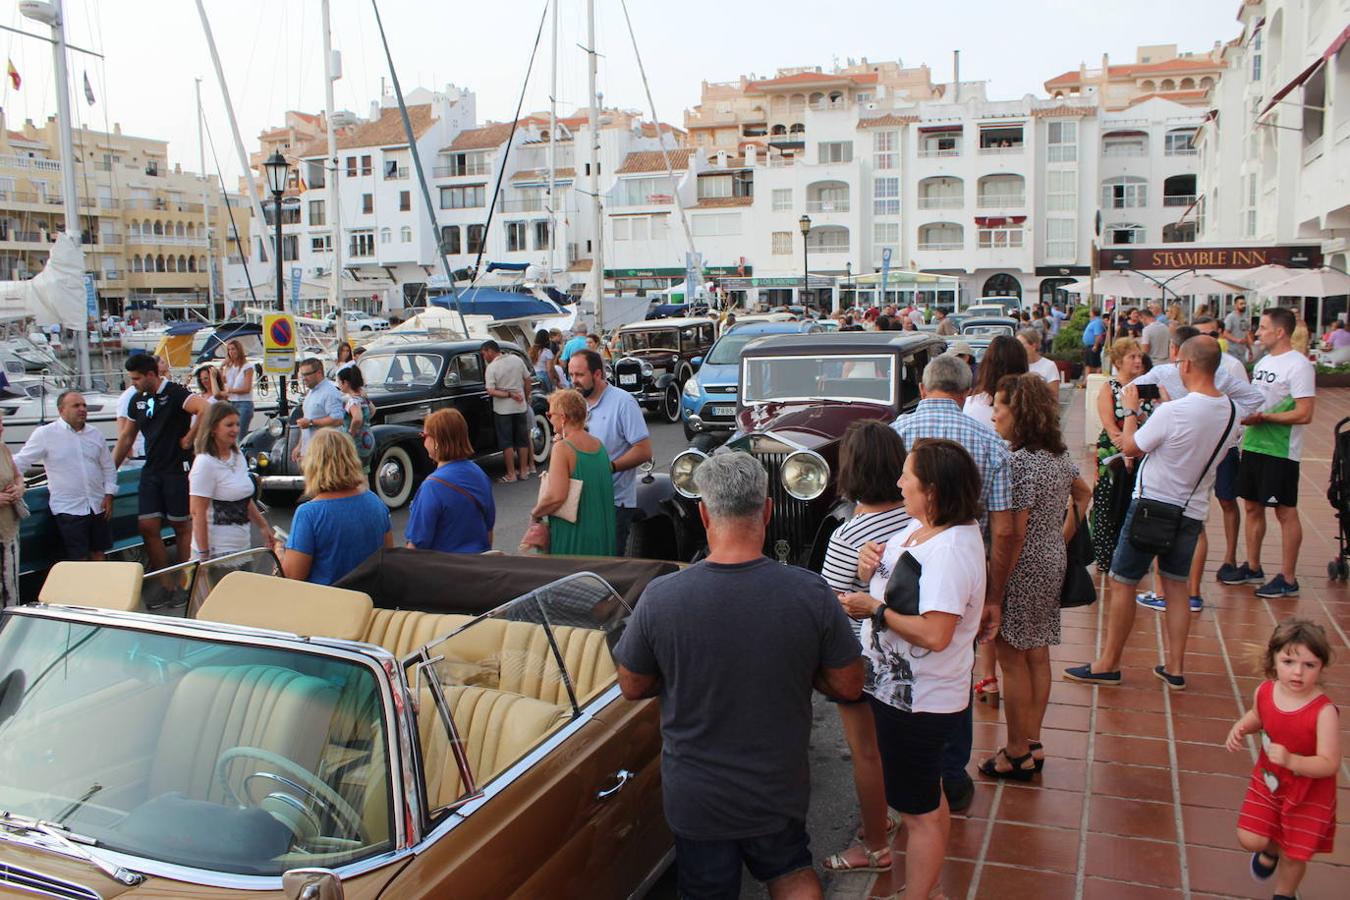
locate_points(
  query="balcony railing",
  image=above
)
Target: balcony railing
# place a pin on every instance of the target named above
(1178, 199)
(13, 161)
(1180, 151)
(1124, 150)
(25, 237)
(832, 247)
(531, 204)
(941, 245)
(936, 154)
(1001, 151)
(396, 174)
(941, 202)
(827, 206)
(1002, 201)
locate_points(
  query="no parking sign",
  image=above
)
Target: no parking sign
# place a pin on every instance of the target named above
(278, 343)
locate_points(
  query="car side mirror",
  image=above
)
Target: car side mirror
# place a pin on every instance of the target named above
(696, 362)
(312, 884)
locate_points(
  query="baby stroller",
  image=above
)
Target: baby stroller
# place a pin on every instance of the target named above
(1338, 494)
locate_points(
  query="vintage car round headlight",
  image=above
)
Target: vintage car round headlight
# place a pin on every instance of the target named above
(262, 460)
(682, 472)
(646, 369)
(691, 388)
(805, 475)
(275, 428)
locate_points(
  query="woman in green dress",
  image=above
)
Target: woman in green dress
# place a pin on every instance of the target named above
(578, 455)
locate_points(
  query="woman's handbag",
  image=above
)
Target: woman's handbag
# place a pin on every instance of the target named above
(1156, 523)
(1078, 589)
(568, 511)
(902, 588)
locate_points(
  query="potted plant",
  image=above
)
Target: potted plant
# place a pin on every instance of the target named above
(1333, 376)
(1067, 348)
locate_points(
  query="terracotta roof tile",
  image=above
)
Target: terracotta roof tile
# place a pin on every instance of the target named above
(1063, 110)
(542, 174)
(723, 202)
(386, 131)
(489, 137)
(1131, 69)
(655, 161)
(813, 78)
(1177, 96)
(886, 121)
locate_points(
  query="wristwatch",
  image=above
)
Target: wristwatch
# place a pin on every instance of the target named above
(879, 618)
(1132, 412)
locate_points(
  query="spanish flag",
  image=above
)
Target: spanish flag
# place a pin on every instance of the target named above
(14, 75)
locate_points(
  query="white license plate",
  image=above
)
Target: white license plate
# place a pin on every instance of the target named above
(724, 410)
(628, 379)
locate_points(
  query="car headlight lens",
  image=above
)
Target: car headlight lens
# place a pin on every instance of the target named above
(262, 460)
(275, 428)
(691, 388)
(646, 369)
(805, 475)
(682, 472)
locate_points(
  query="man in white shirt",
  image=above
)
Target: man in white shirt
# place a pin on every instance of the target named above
(1271, 449)
(81, 478)
(1182, 443)
(508, 383)
(1037, 364)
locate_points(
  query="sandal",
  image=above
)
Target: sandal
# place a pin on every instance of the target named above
(892, 823)
(986, 690)
(837, 863)
(990, 767)
(1034, 746)
(505, 480)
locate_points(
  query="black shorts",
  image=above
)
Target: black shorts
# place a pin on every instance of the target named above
(911, 755)
(83, 535)
(1226, 476)
(512, 430)
(1092, 358)
(163, 495)
(711, 870)
(1268, 480)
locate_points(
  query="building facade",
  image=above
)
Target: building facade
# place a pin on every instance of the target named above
(149, 240)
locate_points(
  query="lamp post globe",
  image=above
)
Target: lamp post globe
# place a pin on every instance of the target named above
(277, 170)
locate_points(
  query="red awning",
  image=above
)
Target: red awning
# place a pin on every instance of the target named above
(1307, 73)
(998, 221)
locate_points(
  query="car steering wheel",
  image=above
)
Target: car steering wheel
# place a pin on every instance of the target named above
(296, 777)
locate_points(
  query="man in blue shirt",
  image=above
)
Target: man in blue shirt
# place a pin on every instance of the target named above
(1094, 336)
(574, 343)
(616, 421)
(321, 408)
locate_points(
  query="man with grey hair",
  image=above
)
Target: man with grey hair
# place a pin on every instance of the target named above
(81, 477)
(1037, 364)
(946, 381)
(732, 646)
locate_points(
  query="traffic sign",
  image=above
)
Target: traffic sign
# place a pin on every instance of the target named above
(278, 343)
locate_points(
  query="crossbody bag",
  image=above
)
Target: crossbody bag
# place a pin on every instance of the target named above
(454, 487)
(1156, 523)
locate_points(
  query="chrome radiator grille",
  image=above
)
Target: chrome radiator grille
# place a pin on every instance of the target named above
(791, 522)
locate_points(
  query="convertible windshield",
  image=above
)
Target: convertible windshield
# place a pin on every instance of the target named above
(236, 758)
(852, 377)
(726, 351)
(660, 339)
(398, 371)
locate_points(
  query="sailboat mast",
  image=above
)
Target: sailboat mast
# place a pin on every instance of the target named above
(598, 253)
(553, 151)
(332, 71)
(206, 207)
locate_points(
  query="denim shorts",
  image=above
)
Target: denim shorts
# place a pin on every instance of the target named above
(1129, 565)
(711, 870)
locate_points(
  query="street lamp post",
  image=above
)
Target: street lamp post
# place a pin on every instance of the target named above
(848, 274)
(276, 168)
(804, 223)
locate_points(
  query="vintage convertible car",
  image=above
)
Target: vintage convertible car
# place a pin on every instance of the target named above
(653, 360)
(798, 395)
(406, 383)
(319, 742)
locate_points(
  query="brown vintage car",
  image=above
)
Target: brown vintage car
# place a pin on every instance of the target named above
(390, 738)
(653, 360)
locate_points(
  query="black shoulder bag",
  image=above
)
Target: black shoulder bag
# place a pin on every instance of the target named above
(902, 588)
(1156, 523)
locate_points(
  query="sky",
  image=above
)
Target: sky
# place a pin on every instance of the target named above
(271, 52)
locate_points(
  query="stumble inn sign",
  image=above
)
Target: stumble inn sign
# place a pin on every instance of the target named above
(1295, 257)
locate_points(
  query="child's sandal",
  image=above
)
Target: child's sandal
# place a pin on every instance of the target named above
(1261, 871)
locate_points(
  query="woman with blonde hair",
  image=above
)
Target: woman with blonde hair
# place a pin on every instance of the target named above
(453, 511)
(577, 455)
(12, 512)
(236, 373)
(220, 491)
(343, 522)
(1115, 472)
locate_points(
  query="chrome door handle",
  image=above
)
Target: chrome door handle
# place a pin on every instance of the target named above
(621, 778)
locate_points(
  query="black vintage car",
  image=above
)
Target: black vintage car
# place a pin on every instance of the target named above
(405, 383)
(653, 360)
(799, 393)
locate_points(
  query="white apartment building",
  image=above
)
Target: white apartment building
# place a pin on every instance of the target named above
(1275, 149)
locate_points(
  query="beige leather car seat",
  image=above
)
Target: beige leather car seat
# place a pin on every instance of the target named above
(215, 708)
(283, 604)
(497, 728)
(101, 585)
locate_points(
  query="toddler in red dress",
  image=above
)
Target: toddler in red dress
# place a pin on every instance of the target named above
(1289, 812)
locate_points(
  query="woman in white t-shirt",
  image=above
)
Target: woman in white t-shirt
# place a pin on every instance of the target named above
(236, 373)
(920, 665)
(1006, 356)
(1037, 364)
(220, 493)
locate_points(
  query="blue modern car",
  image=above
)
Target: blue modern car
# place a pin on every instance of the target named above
(708, 402)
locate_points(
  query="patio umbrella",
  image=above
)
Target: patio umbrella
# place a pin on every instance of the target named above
(1323, 282)
(1199, 285)
(1117, 284)
(1251, 279)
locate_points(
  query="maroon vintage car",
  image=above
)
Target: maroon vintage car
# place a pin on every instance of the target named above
(655, 358)
(798, 395)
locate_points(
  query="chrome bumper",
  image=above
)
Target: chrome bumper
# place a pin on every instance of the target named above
(282, 482)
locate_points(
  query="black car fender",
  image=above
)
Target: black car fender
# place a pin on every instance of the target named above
(661, 381)
(652, 492)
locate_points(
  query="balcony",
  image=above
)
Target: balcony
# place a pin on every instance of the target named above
(527, 204)
(27, 237)
(1001, 201)
(396, 173)
(929, 246)
(12, 161)
(949, 153)
(955, 202)
(827, 206)
(994, 150)
(1178, 200)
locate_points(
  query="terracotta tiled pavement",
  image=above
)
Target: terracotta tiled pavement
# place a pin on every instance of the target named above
(1139, 797)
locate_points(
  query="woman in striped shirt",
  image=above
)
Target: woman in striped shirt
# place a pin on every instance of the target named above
(871, 458)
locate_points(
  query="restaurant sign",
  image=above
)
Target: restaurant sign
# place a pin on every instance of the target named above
(673, 272)
(1295, 257)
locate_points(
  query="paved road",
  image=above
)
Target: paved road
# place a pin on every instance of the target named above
(833, 807)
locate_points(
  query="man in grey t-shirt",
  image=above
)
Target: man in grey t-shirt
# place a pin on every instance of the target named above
(733, 646)
(1156, 337)
(1237, 330)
